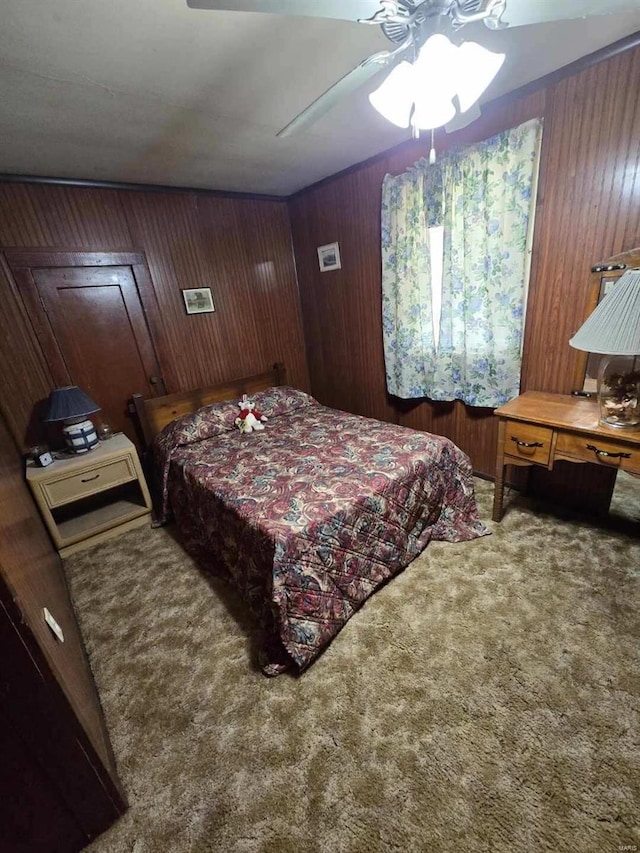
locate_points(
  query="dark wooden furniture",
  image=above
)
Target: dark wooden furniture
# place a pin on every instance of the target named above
(58, 783)
(539, 428)
(157, 412)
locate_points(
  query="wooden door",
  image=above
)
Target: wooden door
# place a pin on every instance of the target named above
(92, 327)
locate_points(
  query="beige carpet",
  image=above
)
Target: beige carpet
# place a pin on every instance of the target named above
(625, 500)
(487, 699)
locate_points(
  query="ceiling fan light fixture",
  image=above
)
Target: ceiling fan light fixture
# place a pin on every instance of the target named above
(421, 94)
(475, 69)
(432, 111)
(437, 56)
(393, 99)
(433, 101)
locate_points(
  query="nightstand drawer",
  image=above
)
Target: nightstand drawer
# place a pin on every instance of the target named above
(84, 483)
(529, 442)
(606, 451)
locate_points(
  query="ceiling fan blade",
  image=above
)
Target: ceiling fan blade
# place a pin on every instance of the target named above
(347, 84)
(347, 10)
(463, 119)
(522, 12)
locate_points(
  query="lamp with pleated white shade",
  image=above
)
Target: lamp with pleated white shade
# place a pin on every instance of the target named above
(613, 329)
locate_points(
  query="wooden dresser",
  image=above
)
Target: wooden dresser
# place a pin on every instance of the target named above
(538, 428)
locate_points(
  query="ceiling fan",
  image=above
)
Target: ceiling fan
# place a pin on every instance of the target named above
(413, 27)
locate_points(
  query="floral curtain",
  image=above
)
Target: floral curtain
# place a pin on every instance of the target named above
(484, 197)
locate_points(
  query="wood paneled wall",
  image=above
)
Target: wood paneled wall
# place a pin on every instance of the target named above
(31, 578)
(588, 209)
(240, 248)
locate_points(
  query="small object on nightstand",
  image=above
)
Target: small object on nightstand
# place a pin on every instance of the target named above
(104, 431)
(41, 456)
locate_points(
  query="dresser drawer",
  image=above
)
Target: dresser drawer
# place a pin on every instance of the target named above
(84, 483)
(529, 442)
(605, 451)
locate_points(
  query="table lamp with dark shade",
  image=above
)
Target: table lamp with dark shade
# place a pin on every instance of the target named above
(613, 329)
(71, 405)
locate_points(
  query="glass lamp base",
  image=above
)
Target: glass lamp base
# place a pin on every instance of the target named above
(619, 392)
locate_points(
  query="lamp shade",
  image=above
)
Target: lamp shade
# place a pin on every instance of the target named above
(476, 68)
(394, 97)
(69, 403)
(614, 326)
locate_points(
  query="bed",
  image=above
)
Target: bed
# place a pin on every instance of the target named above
(307, 518)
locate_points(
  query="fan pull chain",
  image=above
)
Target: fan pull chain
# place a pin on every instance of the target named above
(432, 152)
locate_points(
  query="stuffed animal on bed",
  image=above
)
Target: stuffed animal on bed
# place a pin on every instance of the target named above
(249, 418)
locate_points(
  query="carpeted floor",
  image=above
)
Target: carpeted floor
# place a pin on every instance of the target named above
(487, 699)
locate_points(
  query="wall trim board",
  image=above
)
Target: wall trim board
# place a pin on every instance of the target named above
(8, 178)
(608, 52)
(53, 257)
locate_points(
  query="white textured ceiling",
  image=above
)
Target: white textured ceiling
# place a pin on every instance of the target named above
(150, 91)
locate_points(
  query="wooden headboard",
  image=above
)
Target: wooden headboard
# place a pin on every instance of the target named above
(154, 413)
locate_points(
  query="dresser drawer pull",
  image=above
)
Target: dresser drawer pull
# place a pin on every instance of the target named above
(89, 479)
(526, 443)
(599, 452)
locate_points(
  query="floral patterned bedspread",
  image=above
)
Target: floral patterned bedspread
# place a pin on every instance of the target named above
(308, 517)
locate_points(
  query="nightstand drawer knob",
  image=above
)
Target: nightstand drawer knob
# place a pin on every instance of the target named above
(599, 452)
(526, 443)
(89, 479)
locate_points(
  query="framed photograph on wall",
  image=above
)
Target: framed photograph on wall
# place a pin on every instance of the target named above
(329, 257)
(198, 300)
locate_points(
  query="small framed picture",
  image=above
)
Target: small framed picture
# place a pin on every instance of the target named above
(329, 257)
(198, 300)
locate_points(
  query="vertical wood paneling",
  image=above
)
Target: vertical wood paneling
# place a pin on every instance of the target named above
(37, 215)
(240, 248)
(25, 378)
(342, 308)
(588, 209)
(247, 245)
(165, 226)
(32, 571)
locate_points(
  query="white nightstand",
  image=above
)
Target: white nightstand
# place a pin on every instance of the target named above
(93, 496)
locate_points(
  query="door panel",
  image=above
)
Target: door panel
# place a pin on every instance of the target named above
(97, 334)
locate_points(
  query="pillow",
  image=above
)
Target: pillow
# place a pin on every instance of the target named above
(206, 422)
(218, 418)
(281, 400)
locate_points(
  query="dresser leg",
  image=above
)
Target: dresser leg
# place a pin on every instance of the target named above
(498, 493)
(498, 490)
